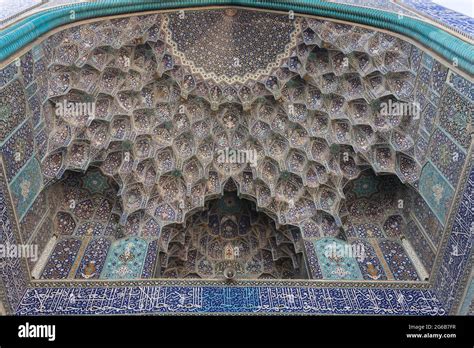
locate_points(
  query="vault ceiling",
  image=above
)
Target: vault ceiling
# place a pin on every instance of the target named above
(171, 94)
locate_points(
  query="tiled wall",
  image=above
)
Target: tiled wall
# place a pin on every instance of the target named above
(13, 272)
(442, 143)
(22, 137)
(449, 18)
(444, 139)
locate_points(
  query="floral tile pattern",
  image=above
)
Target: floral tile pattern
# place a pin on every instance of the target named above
(370, 265)
(398, 261)
(61, 259)
(419, 243)
(34, 215)
(150, 260)
(13, 277)
(458, 250)
(334, 266)
(427, 219)
(446, 156)
(436, 191)
(18, 149)
(125, 259)
(26, 186)
(8, 73)
(452, 19)
(462, 85)
(12, 108)
(314, 134)
(94, 258)
(313, 264)
(457, 116)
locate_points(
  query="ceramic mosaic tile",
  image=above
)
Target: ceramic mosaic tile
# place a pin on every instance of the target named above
(61, 259)
(370, 265)
(8, 73)
(12, 108)
(150, 260)
(34, 215)
(26, 186)
(462, 85)
(451, 19)
(134, 168)
(421, 246)
(458, 250)
(446, 156)
(12, 270)
(125, 259)
(251, 300)
(41, 237)
(93, 260)
(398, 260)
(457, 116)
(18, 150)
(335, 266)
(436, 191)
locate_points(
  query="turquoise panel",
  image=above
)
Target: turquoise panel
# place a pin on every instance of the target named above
(336, 265)
(125, 259)
(436, 191)
(26, 186)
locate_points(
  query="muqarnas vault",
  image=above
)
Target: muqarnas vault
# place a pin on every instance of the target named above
(228, 159)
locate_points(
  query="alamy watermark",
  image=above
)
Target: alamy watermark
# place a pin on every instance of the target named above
(335, 250)
(398, 108)
(228, 155)
(37, 331)
(75, 109)
(29, 251)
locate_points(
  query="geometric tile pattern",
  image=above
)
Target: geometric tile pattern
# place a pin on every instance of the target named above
(455, 120)
(216, 33)
(311, 114)
(95, 182)
(230, 233)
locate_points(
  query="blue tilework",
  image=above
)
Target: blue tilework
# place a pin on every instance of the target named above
(155, 300)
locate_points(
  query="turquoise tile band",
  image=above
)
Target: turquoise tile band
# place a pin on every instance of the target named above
(451, 48)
